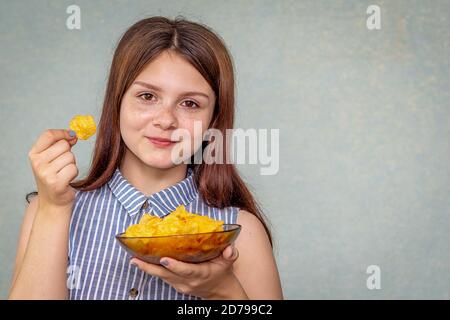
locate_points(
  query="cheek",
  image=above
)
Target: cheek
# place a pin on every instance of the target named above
(197, 122)
(196, 128)
(132, 119)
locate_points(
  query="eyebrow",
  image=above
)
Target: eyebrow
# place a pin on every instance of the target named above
(156, 88)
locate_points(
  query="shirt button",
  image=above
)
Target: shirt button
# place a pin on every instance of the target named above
(133, 293)
(145, 205)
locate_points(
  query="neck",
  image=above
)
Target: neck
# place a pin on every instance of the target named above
(150, 180)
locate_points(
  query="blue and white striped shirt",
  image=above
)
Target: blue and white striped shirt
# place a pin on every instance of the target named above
(98, 267)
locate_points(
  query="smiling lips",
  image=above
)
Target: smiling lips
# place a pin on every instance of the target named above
(160, 142)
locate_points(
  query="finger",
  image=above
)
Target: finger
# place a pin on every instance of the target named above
(68, 173)
(73, 138)
(230, 253)
(62, 161)
(55, 151)
(180, 268)
(49, 137)
(152, 269)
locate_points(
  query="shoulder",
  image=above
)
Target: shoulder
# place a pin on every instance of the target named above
(256, 267)
(249, 220)
(252, 229)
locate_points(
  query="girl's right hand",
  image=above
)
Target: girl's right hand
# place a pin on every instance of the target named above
(54, 167)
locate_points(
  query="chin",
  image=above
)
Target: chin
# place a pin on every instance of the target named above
(159, 163)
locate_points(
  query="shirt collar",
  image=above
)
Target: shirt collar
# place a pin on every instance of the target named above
(160, 203)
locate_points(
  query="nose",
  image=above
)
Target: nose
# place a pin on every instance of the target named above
(165, 119)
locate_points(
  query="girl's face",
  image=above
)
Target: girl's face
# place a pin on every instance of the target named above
(168, 94)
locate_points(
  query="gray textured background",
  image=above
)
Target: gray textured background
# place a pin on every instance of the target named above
(364, 116)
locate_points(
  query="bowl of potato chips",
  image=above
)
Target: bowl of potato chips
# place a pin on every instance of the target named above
(181, 235)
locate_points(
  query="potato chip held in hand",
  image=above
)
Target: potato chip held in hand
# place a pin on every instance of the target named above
(84, 126)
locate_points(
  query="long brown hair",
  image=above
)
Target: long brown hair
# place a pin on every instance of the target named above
(219, 184)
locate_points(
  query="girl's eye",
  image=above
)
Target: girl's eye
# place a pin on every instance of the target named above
(191, 104)
(146, 96)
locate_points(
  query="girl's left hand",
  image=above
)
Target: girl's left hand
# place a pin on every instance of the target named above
(213, 279)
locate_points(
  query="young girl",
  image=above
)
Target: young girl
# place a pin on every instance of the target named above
(165, 75)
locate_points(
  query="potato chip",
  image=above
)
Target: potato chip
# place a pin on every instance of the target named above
(84, 126)
(179, 221)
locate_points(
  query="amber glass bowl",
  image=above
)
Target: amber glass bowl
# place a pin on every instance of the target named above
(192, 248)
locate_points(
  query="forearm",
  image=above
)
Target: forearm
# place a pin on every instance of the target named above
(230, 290)
(42, 274)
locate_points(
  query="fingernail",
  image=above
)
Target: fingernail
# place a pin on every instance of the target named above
(72, 133)
(133, 263)
(164, 262)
